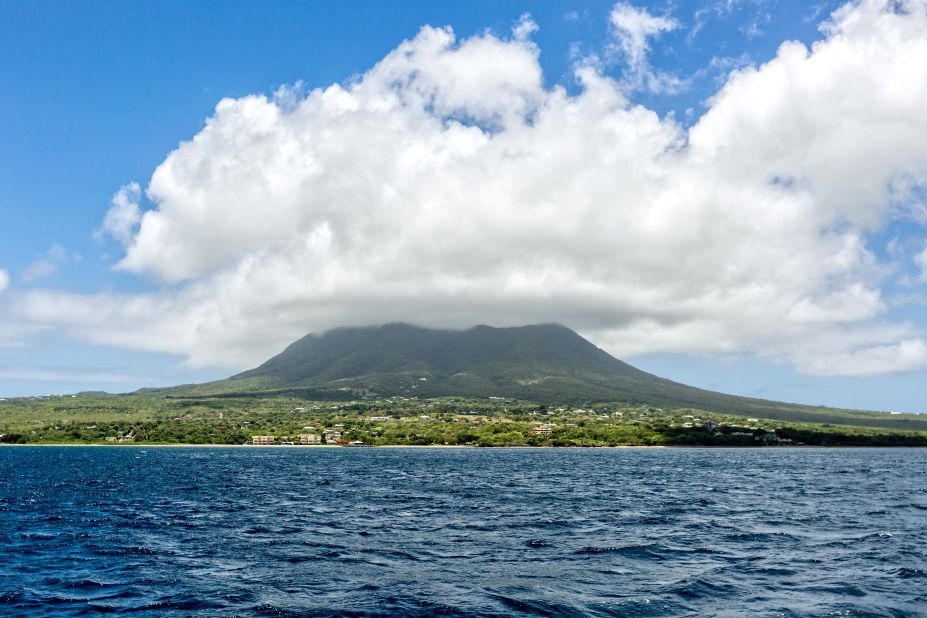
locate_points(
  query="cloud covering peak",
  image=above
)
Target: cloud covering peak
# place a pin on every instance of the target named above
(448, 186)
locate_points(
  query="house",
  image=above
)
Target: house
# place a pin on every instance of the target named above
(310, 438)
(332, 436)
(542, 430)
(263, 440)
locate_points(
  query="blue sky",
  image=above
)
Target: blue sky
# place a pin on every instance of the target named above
(97, 95)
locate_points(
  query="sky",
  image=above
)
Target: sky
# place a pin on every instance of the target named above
(728, 193)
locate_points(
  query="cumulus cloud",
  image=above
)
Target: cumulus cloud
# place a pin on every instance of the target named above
(4, 280)
(447, 186)
(633, 28)
(836, 122)
(124, 215)
(49, 263)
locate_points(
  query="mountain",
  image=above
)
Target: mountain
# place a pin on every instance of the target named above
(543, 363)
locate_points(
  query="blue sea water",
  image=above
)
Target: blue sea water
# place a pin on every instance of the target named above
(612, 532)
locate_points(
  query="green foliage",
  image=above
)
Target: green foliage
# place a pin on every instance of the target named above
(151, 418)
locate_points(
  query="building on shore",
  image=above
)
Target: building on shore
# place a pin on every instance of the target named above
(263, 440)
(310, 438)
(543, 430)
(332, 436)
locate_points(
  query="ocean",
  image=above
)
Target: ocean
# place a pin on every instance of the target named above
(470, 532)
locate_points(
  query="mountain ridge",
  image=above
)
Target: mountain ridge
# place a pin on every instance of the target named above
(544, 363)
(506, 360)
(400, 346)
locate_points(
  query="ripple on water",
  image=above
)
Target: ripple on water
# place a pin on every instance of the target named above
(630, 532)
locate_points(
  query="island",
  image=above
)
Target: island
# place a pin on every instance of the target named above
(397, 384)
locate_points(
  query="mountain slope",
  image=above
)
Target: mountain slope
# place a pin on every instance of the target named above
(543, 363)
(492, 353)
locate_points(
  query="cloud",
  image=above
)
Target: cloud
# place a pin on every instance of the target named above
(920, 260)
(524, 28)
(46, 265)
(4, 280)
(447, 186)
(124, 215)
(825, 106)
(69, 375)
(907, 355)
(633, 28)
(758, 11)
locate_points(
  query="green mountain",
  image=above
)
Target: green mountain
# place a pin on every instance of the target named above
(542, 363)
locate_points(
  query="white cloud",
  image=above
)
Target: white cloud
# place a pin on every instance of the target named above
(525, 27)
(920, 260)
(4, 280)
(447, 186)
(907, 355)
(836, 122)
(49, 263)
(633, 28)
(758, 11)
(124, 215)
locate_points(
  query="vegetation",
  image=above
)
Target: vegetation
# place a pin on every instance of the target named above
(398, 384)
(546, 363)
(148, 418)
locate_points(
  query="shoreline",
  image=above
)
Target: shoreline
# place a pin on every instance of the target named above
(447, 446)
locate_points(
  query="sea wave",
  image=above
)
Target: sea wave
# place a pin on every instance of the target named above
(476, 532)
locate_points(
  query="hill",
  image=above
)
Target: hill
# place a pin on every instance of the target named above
(542, 363)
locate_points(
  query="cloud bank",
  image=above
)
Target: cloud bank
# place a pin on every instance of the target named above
(447, 186)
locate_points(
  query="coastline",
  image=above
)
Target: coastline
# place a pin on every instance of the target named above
(339, 446)
(452, 446)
